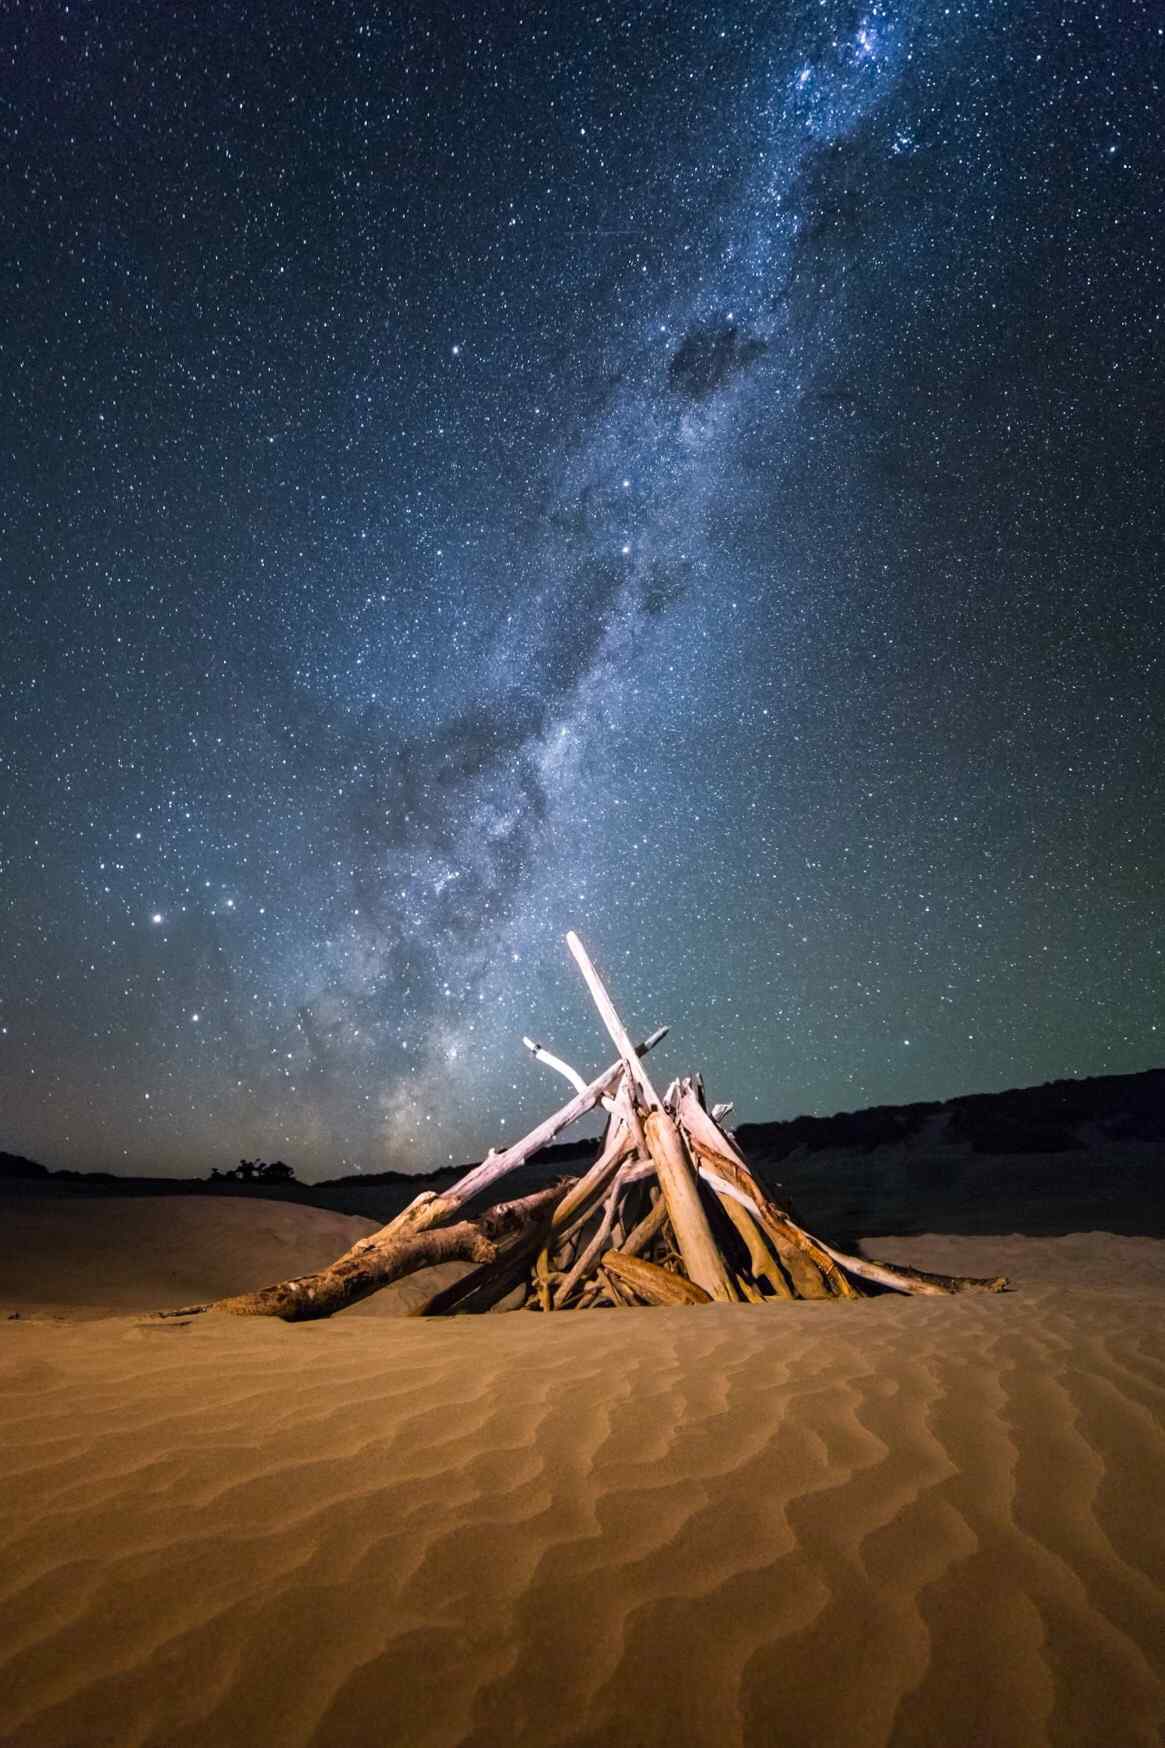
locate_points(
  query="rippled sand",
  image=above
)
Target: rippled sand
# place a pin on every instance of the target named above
(897, 1522)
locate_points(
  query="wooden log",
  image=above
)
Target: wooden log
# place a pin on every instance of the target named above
(593, 1182)
(593, 1250)
(762, 1262)
(620, 1037)
(351, 1277)
(654, 1285)
(547, 1057)
(641, 1236)
(619, 1293)
(902, 1279)
(803, 1258)
(542, 1279)
(432, 1209)
(721, 1159)
(702, 1260)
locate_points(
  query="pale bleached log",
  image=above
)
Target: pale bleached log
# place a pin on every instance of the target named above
(593, 1182)
(593, 1250)
(608, 1013)
(702, 1260)
(782, 1230)
(433, 1209)
(549, 1060)
(763, 1263)
(654, 1285)
(903, 1279)
(648, 1228)
(306, 1298)
(802, 1256)
(702, 1127)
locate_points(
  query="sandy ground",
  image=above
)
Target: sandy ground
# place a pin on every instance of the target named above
(897, 1522)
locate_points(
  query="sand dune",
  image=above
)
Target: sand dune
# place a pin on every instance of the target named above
(897, 1522)
(91, 1257)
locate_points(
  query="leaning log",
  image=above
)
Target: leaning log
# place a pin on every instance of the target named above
(703, 1262)
(654, 1285)
(902, 1279)
(356, 1276)
(420, 1215)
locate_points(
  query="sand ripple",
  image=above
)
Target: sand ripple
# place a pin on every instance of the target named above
(890, 1523)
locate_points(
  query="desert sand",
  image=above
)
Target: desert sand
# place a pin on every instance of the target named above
(903, 1521)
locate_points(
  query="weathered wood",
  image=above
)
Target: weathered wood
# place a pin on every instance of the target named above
(608, 1013)
(593, 1182)
(649, 1227)
(549, 1060)
(433, 1209)
(619, 1293)
(903, 1279)
(702, 1260)
(591, 1251)
(542, 1279)
(763, 1263)
(654, 1285)
(351, 1277)
(802, 1257)
(721, 1155)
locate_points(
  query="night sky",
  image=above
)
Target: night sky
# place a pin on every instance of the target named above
(691, 474)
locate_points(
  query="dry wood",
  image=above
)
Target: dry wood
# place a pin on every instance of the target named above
(592, 1184)
(811, 1269)
(702, 1260)
(435, 1209)
(648, 1228)
(762, 1262)
(653, 1284)
(721, 1159)
(547, 1057)
(902, 1279)
(594, 1248)
(619, 1293)
(610, 1018)
(354, 1277)
(542, 1279)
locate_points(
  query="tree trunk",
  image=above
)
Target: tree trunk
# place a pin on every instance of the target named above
(384, 1259)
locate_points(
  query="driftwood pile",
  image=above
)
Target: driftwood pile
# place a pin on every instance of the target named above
(669, 1214)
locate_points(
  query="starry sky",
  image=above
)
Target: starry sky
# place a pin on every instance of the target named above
(689, 473)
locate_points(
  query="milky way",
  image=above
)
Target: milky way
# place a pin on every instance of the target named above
(685, 474)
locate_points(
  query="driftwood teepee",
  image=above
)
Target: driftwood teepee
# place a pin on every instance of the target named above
(669, 1214)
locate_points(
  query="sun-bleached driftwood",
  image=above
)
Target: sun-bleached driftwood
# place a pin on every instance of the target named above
(702, 1260)
(423, 1213)
(345, 1282)
(636, 1073)
(647, 1229)
(902, 1279)
(669, 1212)
(593, 1182)
(801, 1256)
(595, 1247)
(762, 1262)
(654, 1285)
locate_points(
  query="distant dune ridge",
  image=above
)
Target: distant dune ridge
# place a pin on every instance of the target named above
(897, 1522)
